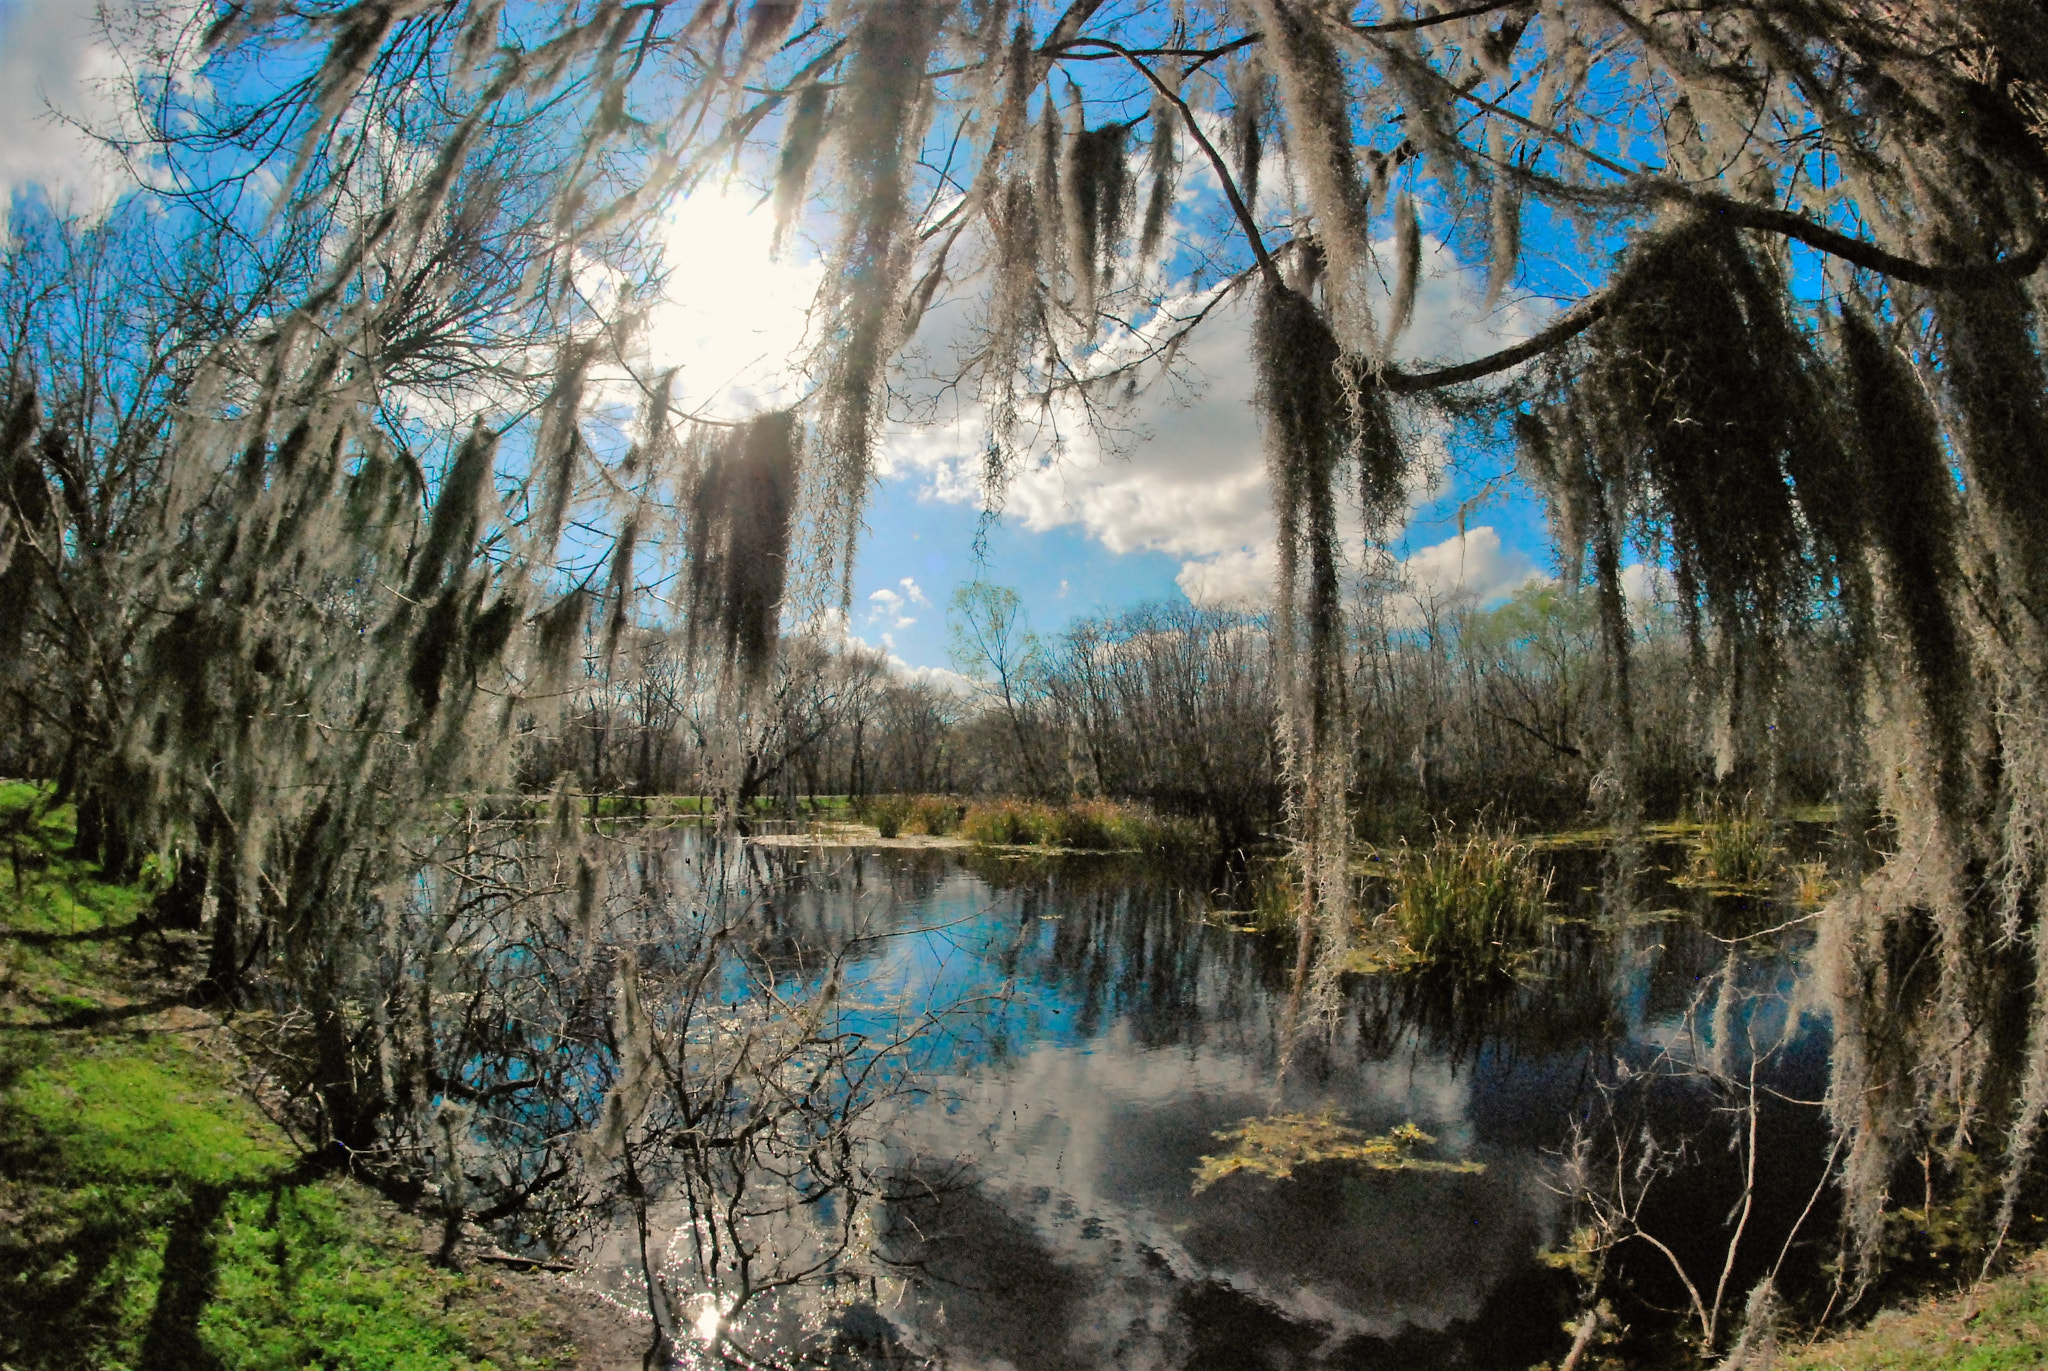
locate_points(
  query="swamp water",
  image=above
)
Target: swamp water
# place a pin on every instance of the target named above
(1080, 1032)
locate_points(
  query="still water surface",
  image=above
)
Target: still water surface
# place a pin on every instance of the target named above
(1105, 1026)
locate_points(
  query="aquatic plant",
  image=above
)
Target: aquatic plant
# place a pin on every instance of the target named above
(1277, 1145)
(1732, 844)
(1473, 899)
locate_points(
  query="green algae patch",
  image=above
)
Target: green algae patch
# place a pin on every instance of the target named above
(1276, 1146)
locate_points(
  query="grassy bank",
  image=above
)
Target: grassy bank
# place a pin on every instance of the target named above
(150, 1215)
(2001, 1326)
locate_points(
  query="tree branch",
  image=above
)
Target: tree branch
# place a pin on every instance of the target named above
(1563, 329)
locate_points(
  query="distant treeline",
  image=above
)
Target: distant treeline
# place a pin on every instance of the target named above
(1461, 711)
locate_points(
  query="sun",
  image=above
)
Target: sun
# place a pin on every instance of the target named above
(734, 318)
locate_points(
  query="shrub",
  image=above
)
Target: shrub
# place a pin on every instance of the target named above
(1474, 899)
(887, 813)
(934, 814)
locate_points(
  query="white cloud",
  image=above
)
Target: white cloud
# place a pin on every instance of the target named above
(1645, 586)
(57, 64)
(938, 677)
(1471, 568)
(890, 604)
(1242, 577)
(1193, 483)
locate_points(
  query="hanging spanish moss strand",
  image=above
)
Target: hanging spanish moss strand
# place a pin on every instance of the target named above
(1307, 408)
(1164, 168)
(1585, 488)
(1407, 268)
(557, 444)
(1913, 535)
(1317, 104)
(1016, 321)
(1504, 220)
(1046, 191)
(1689, 383)
(741, 518)
(1096, 198)
(1247, 121)
(1996, 379)
(1883, 1099)
(800, 144)
(878, 132)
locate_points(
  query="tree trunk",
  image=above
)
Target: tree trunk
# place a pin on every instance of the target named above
(223, 963)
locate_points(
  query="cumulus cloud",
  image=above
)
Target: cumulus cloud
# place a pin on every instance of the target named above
(893, 605)
(64, 69)
(54, 61)
(1191, 480)
(1471, 568)
(1239, 578)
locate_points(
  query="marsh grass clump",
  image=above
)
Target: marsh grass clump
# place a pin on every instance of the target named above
(896, 815)
(1276, 898)
(1812, 886)
(934, 814)
(1079, 826)
(1275, 1146)
(886, 812)
(1007, 823)
(1475, 899)
(1733, 846)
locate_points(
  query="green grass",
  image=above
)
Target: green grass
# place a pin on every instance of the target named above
(150, 1215)
(122, 1111)
(2004, 1327)
(1473, 899)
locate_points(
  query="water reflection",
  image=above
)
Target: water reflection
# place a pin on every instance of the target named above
(1037, 1207)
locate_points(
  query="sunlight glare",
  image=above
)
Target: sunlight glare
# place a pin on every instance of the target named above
(733, 320)
(708, 1320)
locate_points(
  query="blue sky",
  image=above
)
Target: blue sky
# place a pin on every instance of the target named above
(916, 537)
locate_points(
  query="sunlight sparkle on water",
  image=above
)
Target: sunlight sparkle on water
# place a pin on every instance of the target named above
(708, 1321)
